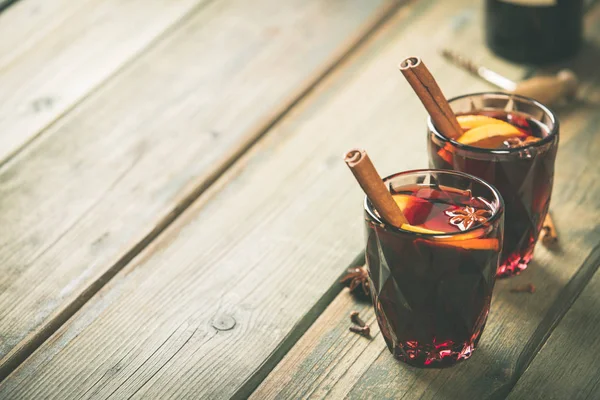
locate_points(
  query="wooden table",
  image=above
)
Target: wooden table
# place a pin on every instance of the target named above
(175, 214)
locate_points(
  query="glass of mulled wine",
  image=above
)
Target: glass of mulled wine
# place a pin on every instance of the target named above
(432, 279)
(511, 142)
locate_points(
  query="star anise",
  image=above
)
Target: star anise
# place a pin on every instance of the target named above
(357, 277)
(465, 218)
(513, 142)
(517, 142)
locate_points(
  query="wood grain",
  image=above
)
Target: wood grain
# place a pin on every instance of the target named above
(519, 323)
(54, 53)
(87, 196)
(567, 365)
(334, 356)
(211, 302)
(27, 22)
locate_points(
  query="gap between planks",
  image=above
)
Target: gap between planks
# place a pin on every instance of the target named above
(263, 126)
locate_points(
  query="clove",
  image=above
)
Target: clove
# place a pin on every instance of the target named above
(355, 318)
(529, 288)
(359, 326)
(361, 330)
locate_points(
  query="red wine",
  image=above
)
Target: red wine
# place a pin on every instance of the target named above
(534, 31)
(525, 182)
(432, 297)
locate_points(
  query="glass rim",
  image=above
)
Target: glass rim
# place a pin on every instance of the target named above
(446, 235)
(547, 139)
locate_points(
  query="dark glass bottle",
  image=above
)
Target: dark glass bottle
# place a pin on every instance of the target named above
(534, 31)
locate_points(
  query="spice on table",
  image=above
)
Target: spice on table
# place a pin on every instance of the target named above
(361, 330)
(548, 234)
(355, 318)
(528, 288)
(359, 326)
(357, 278)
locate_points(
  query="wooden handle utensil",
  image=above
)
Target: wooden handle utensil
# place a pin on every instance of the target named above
(549, 89)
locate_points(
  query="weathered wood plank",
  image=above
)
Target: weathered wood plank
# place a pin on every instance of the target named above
(209, 305)
(567, 365)
(328, 360)
(54, 53)
(27, 22)
(80, 202)
(518, 323)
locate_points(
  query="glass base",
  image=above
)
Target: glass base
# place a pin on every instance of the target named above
(514, 265)
(428, 356)
(434, 355)
(439, 355)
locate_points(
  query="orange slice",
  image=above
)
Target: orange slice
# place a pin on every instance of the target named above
(405, 202)
(402, 200)
(473, 121)
(468, 244)
(418, 229)
(531, 139)
(486, 132)
(475, 244)
(446, 155)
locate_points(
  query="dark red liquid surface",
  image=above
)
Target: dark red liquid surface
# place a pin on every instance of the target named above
(429, 208)
(432, 297)
(524, 181)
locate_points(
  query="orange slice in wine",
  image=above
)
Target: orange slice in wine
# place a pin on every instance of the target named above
(531, 139)
(477, 136)
(477, 244)
(473, 121)
(418, 229)
(468, 244)
(402, 200)
(446, 155)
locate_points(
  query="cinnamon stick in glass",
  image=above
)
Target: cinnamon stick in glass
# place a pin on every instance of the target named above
(365, 173)
(430, 94)
(548, 234)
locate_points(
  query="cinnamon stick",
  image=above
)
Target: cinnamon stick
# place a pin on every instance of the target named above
(365, 173)
(548, 234)
(430, 94)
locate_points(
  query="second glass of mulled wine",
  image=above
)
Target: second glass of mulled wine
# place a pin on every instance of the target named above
(511, 142)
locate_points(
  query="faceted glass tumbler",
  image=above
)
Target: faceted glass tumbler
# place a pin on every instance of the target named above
(432, 292)
(523, 175)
